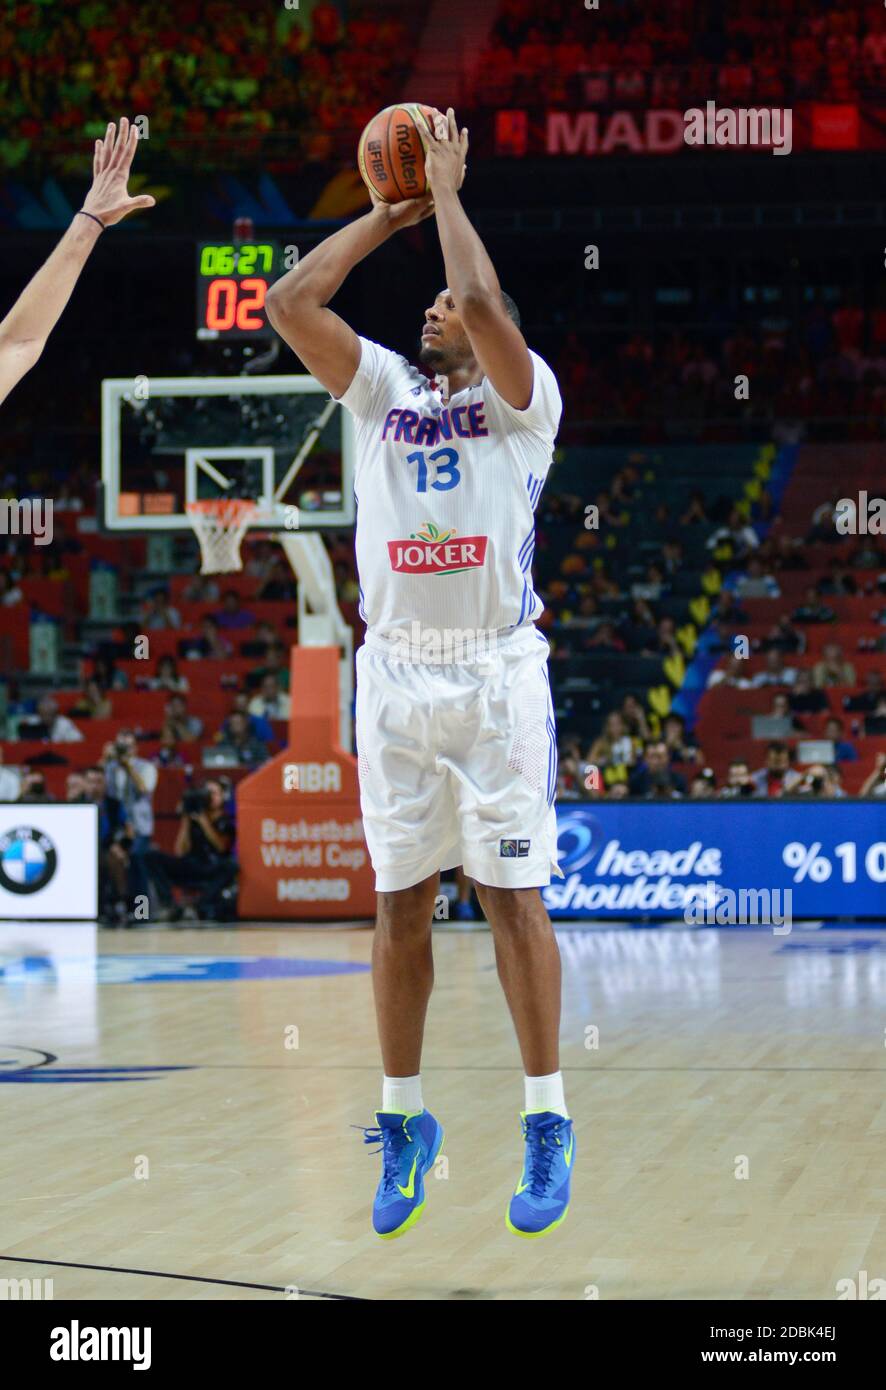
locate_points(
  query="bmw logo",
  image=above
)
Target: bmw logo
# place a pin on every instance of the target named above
(27, 860)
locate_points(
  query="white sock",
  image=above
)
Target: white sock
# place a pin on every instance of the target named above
(401, 1095)
(546, 1093)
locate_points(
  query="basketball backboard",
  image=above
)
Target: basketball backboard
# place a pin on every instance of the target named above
(278, 440)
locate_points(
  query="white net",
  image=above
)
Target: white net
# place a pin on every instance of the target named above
(220, 527)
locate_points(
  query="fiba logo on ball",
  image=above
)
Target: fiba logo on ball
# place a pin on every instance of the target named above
(28, 860)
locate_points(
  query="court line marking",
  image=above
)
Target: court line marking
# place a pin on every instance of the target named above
(362, 1066)
(579, 1071)
(189, 1278)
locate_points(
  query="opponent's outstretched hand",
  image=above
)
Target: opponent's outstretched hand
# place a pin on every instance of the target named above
(446, 154)
(108, 198)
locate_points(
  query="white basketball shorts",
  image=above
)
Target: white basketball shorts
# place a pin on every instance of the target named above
(458, 764)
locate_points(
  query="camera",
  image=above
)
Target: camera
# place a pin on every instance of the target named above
(195, 801)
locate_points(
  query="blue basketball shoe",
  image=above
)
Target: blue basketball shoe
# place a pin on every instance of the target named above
(409, 1145)
(541, 1199)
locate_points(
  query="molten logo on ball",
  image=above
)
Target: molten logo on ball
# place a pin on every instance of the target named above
(408, 157)
(390, 154)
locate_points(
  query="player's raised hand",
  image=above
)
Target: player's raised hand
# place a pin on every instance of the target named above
(405, 214)
(108, 199)
(446, 154)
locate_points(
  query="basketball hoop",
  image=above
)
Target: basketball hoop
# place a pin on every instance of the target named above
(220, 525)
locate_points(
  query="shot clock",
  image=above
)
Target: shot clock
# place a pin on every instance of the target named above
(232, 282)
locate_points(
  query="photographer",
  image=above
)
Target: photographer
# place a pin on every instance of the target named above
(777, 777)
(114, 843)
(131, 781)
(819, 780)
(202, 857)
(703, 786)
(738, 781)
(33, 789)
(75, 789)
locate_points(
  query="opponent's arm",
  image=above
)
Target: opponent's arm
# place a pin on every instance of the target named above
(296, 303)
(498, 344)
(24, 331)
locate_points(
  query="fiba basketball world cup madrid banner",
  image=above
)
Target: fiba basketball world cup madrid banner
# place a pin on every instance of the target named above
(692, 860)
(300, 842)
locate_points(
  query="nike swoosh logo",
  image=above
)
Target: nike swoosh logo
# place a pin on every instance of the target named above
(409, 1189)
(521, 1187)
(568, 1153)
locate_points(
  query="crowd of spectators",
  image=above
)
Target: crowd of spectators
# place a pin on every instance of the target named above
(135, 876)
(123, 780)
(590, 610)
(245, 733)
(695, 50)
(808, 372)
(228, 78)
(199, 73)
(638, 753)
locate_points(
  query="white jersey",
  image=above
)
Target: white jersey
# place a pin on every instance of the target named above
(446, 494)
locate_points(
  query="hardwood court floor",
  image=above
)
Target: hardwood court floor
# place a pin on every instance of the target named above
(715, 1049)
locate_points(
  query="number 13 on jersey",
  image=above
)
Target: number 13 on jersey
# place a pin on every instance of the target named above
(446, 474)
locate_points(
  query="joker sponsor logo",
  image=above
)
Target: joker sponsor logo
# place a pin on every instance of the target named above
(430, 550)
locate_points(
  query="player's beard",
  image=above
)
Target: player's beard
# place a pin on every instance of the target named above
(436, 359)
(447, 358)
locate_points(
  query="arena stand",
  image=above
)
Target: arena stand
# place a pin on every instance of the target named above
(221, 79)
(639, 57)
(63, 598)
(668, 512)
(635, 613)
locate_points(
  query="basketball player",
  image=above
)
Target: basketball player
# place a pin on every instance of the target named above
(24, 331)
(456, 744)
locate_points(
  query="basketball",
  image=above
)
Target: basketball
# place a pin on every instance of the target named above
(391, 152)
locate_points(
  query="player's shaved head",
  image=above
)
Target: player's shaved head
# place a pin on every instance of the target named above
(445, 345)
(510, 306)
